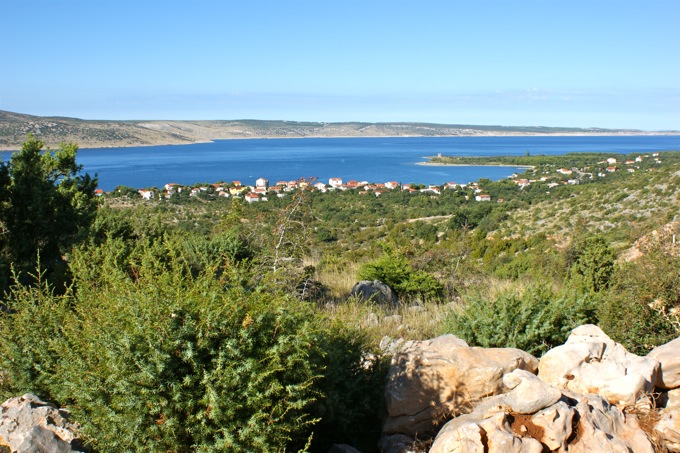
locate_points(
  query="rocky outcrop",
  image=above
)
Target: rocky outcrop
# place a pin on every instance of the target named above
(590, 395)
(30, 425)
(435, 379)
(375, 291)
(668, 356)
(603, 427)
(591, 362)
(667, 427)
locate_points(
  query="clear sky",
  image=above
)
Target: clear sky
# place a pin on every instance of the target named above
(592, 63)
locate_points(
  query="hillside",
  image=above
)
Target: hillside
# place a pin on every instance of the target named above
(14, 127)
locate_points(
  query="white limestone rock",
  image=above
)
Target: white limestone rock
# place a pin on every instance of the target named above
(30, 425)
(442, 377)
(591, 362)
(668, 356)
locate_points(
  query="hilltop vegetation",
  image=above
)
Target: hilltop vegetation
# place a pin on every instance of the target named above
(101, 134)
(205, 323)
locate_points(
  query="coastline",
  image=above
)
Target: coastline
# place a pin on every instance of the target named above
(441, 164)
(127, 144)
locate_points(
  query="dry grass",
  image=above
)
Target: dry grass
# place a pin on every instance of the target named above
(410, 322)
(647, 418)
(339, 279)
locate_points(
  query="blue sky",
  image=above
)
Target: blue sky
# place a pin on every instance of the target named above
(595, 63)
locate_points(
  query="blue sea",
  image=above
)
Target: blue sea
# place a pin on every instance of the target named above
(369, 159)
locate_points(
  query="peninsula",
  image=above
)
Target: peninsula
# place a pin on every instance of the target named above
(14, 127)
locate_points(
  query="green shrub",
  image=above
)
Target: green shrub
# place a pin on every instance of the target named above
(166, 364)
(31, 338)
(352, 386)
(634, 324)
(395, 271)
(647, 292)
(174, 359)
(593, 263)
(535, 321)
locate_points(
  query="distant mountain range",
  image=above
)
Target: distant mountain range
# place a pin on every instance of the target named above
(15, 127)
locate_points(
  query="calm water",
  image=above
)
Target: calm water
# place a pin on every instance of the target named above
(370, 159)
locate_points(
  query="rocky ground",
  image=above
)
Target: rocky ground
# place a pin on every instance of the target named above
(587, 395)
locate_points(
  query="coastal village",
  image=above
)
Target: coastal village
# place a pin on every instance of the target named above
(263, 189)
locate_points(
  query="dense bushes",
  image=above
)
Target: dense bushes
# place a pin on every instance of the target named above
(642, 308)
(534, 321)
(171, 360)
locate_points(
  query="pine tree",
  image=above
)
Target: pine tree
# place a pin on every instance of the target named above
(46, 205)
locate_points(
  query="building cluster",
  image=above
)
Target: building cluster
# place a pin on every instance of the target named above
(262, 189)
(577, 174)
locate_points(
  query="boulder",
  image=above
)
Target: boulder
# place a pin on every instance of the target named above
(604, 428)
(600, 427)
(375, 291)
(669, 399)
(668, 356)
(30, 425)
(554, 426)
(591, 362)
(528, 394)
(668, 429)
(436, 379)
(482, 433)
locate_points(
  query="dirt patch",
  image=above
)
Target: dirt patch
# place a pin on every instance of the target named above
(522, 426)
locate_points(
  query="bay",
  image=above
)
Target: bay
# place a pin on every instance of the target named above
(370, 159)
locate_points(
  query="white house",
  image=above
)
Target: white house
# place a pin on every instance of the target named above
(261, 182)
(483, 197)
(431, 189)
(335, 182)
(147, 194)
(251, 197)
